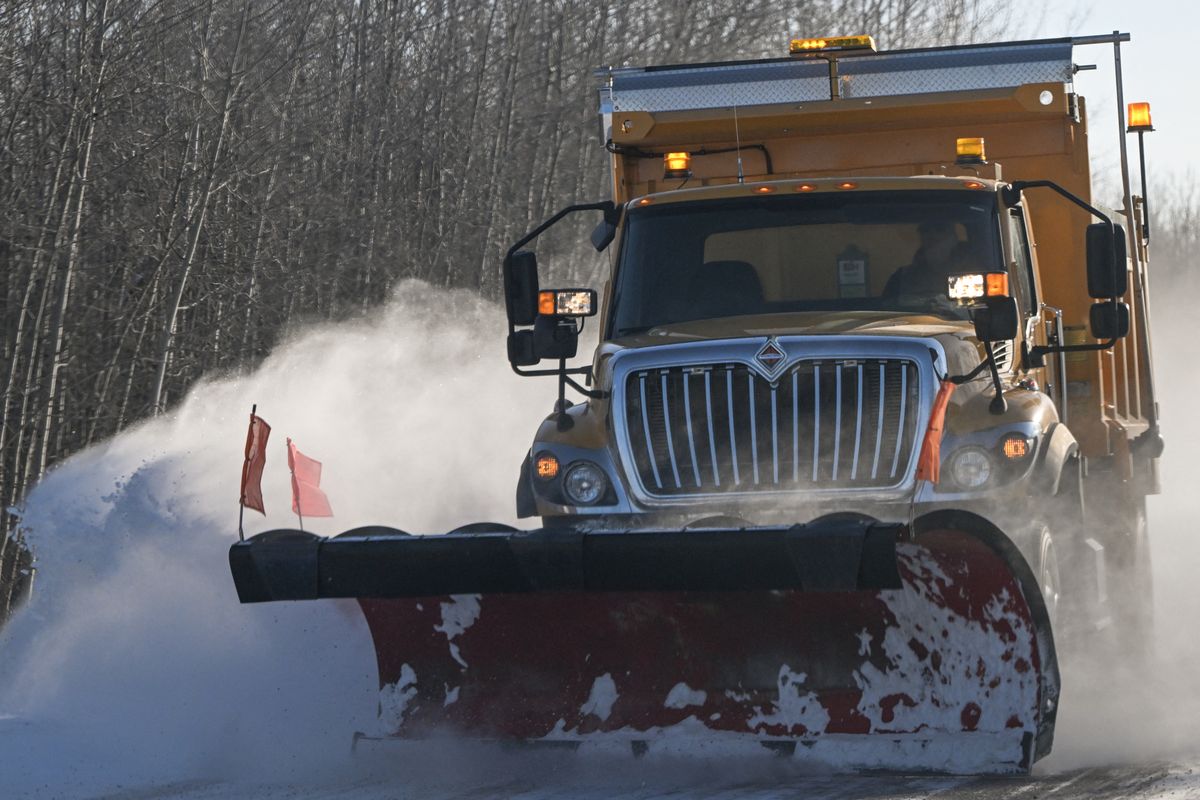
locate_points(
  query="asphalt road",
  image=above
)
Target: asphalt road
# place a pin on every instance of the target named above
(1138, 782)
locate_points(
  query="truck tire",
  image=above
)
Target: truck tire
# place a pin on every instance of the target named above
(1063, 561)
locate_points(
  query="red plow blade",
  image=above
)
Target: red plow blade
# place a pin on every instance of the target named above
(951, 670)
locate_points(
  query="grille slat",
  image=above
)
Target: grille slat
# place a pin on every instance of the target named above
(667, 434)
(878, 411)
(687, 406)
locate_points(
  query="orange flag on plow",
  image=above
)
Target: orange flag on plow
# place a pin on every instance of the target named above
(929, 465)
(256, 459)
(307, 498)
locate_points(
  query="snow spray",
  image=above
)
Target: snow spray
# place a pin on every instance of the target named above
(134, 661)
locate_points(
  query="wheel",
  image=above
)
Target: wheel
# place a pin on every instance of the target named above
(1047, 572)
(1065, 565)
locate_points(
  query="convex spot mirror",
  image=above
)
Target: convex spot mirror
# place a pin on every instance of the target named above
(1106, 256)
(521, 287)
(606, 230)
(1109, 320)
(997, 320)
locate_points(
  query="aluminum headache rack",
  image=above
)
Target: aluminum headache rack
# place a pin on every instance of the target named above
(803, 80)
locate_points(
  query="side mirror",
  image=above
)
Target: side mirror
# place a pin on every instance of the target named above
(553, 338)
(1106, 256)
(997, 320)
(1109, 320)
(521, 287)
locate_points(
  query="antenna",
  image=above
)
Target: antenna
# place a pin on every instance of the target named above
(737, 137)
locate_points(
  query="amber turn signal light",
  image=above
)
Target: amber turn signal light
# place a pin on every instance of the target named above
(546, 466)
(1016, 447)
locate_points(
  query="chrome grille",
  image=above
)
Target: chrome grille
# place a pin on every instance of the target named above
(821, 424)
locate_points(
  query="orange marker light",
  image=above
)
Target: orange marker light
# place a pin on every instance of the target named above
(806, 187)
(547, 466)
(847, 185)
(546, 304)
(973, 184)
(1016, 447)
(997, 284)
(1139, 118)
(645, 201)
(764, 190)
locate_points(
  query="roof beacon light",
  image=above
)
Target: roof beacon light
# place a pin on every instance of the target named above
(830, 44)
(971, 150)
(677, 166)
(977, 285)
(1139, 118)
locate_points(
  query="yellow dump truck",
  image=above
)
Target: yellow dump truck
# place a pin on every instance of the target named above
(871, 411)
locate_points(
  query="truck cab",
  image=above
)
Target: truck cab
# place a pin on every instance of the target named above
(853, 283)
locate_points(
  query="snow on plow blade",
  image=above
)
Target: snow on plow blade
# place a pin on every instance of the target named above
(869, 644)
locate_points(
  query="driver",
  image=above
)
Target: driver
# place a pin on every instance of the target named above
(933, 261)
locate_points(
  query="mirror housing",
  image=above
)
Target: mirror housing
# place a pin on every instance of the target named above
(521, 287)
(1106, 256)
(997, 321)
(1109, 320)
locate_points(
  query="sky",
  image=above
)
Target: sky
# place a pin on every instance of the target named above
(1158, 66)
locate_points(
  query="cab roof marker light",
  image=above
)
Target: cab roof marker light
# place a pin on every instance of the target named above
(806, 187)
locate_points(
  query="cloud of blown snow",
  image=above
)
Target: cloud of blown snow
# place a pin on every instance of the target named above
(134, 660)
(1129, 709)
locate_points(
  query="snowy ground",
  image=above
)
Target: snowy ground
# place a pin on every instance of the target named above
(134, 673)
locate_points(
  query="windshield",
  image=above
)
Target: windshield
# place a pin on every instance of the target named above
(850, 251)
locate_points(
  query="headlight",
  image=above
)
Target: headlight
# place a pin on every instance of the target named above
(971, 467)
(585, 483)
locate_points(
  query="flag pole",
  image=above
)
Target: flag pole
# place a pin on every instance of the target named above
(295, 486)
(242, 491)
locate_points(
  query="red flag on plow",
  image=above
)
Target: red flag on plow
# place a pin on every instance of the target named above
(256, 459)
(307, 498)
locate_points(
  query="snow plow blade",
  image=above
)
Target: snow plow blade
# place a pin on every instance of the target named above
(871, 645)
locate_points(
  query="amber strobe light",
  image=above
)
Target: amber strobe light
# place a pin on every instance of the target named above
(547, 466)
(677, 166)
(971, 150)
(830, 44)
(1139, 117)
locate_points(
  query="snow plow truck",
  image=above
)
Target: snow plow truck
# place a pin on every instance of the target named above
(871, 413)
